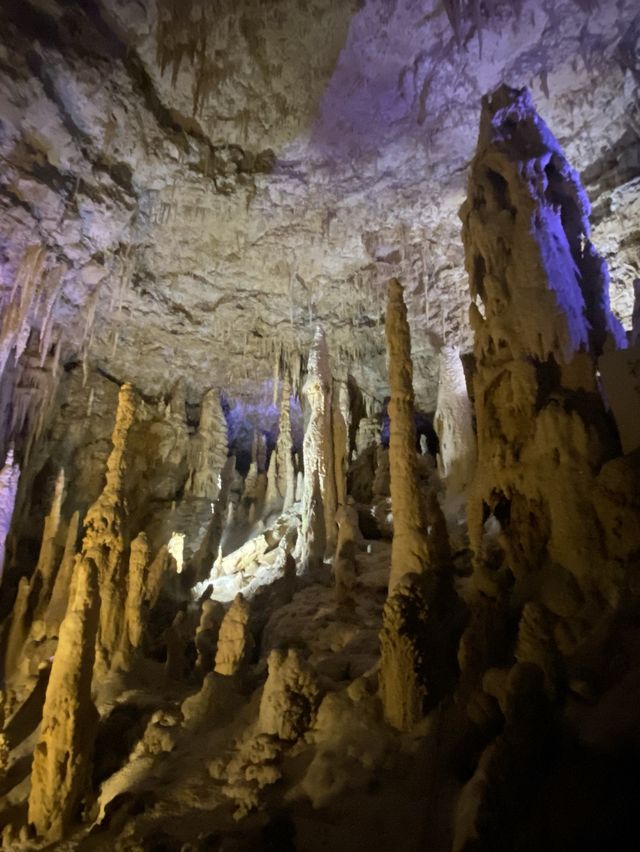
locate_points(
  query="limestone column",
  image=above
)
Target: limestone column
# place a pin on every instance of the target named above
(209, 449)
(9, 476)
(319, 471)
(540, 315)
(341, 425)
(453, 423)
(409, 548)
(137, 596)
(60, 773)
(286, 475)
(57, 605)
(105, 539)
(47, 560)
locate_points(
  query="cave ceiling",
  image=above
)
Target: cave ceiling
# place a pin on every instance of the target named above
(212, 179)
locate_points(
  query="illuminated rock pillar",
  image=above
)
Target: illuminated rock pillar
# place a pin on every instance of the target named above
(409, 548)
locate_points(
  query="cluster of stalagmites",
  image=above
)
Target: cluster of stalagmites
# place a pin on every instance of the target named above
(505, 636)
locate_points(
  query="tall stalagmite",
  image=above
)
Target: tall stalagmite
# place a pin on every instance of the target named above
(454, 424)
(209, 449)
(62, 759)
(543, 433)
(9, 476)
(47, 560)
(319, 496)
(341, 425)
(105, 539)
(57, 605)
(409, 551)
(285, 471)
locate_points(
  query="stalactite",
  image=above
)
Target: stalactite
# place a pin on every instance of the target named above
(16, 326)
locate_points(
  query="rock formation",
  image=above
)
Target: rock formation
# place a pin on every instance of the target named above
(285, 471)
(48, 559)
(208, 449)
(105, 538)
(137, 601)
(453, 423)
(542, 430)
(344, 563)
(290, 696)
(403, 644)
(9, 476)
(409, 554)
(319, 496)
(235, 641)
(62, 759)
(341, 424)
(57, 605)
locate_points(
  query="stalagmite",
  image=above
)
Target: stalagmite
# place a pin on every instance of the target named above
(285, 471)
(341, 425)
(235, 641)
(57, 605)
(368, 434)
(319, 496)
(272, 501)
(344, 563)
(409, 553)
(542, 430)
(9, 476)
(208, 450)
(136, 602)
(403, 644)
(105, 538)
(454, 426)
(19, 629)
(47, 560)
(290, 696)
(206, 638)
(61, 763)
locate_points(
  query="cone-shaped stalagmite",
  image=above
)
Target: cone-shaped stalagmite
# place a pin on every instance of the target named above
(454, 424)
(57, 605)
(9, 476)
(62, 759)
(47, 560)
(409, 550)
(105, 537)
(286, 475)
(208, 450)
(137, 598)
(319, 496)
